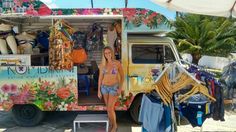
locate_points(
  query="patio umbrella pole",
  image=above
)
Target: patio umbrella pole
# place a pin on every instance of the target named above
(92, 3)
(126, 3)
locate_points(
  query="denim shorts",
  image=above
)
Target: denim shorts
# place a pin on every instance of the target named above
(110, 89)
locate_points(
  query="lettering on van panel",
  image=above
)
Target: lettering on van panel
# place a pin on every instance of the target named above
(30, 70)
(27, 72)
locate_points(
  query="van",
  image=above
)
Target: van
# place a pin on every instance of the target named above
(30, 88)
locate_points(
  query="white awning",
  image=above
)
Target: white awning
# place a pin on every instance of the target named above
(224, 8)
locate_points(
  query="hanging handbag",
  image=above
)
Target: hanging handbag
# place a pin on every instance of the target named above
(79, 55)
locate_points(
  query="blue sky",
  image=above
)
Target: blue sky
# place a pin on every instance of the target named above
(110, 4)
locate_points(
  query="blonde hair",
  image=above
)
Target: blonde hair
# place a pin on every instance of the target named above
(104, 59)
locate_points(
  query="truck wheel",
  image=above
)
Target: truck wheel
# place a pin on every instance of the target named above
(135, 108)
(27, 115)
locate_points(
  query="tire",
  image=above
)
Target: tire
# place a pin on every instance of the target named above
(27, 115)
(135, 108)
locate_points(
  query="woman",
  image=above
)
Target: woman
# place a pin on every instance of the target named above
(111, 78)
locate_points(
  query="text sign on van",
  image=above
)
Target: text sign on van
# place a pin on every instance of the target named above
(30, 72)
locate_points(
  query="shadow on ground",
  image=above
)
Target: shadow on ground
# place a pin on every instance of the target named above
(63, 121)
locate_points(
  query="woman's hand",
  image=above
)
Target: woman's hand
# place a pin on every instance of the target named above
(99, 95)
(119, 91)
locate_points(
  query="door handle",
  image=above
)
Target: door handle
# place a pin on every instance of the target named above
(131, 76)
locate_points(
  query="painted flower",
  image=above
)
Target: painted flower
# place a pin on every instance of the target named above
(107, 11)
(63, 93)
(7, 104)
(96, 11)
(154, 14)
(50, 92)
(6, 88)
(86, 12)
(72, 106)
(116, 12)
(13, 88)
(100, 108)
(24, 96)
(129, 13)
(17, 3)
(3, 96)
(59, 12)
(48, 105)
(117, 103)
(44, 10)
(145, 21)
(143, 12)
(127, 103)
(63, 106)
(82, 108)
(45, 84)
(25, 0)
(31, 11)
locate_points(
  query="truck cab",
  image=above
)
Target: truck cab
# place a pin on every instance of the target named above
(146, 59)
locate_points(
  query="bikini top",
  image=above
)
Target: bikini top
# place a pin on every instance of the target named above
(113, 71)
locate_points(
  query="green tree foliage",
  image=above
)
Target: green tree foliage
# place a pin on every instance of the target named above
(204, 35)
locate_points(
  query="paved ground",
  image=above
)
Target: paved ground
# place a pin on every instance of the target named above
(62, 122)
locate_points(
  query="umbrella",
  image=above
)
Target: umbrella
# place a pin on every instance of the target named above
(223, 8)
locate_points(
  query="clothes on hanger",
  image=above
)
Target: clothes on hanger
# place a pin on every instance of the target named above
(111, 36)
(217, 107)
(215, 89)
(196, 109)
(43, 39)
(94, 37)
(195, 113)
(60, 46)
(154, 115)
(80, 40)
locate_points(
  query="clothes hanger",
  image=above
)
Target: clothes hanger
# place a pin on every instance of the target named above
(161, 96)
(183, 81)
(196, 89)
(165, 94)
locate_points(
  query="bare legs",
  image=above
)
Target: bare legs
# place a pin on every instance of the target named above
(110, 101)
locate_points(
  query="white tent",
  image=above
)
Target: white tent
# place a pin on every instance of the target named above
(225, 8)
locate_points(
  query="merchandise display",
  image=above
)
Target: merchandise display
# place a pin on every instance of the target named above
(26, 42)
(60, 46)
(7, 38)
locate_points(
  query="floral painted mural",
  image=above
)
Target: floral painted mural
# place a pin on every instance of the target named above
(57, 91)
(138, 17)
(46, 95)
(48, 90)
(134, 16)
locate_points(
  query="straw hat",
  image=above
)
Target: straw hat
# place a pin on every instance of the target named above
(25, 36)
(5, 27)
